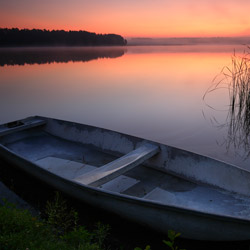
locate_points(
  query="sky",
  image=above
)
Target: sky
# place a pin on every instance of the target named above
(131, 18)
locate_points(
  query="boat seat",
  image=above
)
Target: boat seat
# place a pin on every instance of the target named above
(119, 166)
(65, 168)
(16, 126)
(120, 184)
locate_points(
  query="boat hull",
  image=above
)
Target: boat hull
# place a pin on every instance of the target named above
(192, 224)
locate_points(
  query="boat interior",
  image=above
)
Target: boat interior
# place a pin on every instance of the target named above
(124, 175)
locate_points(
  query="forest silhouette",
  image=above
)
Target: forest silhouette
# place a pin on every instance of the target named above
(37, 37)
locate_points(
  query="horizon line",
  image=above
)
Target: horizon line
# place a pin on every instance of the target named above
(179, 37)
(135, 36)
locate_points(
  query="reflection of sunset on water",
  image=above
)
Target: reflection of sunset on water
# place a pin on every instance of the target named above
(156, 95)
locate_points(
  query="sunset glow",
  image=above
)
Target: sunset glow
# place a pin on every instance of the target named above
(148, 18)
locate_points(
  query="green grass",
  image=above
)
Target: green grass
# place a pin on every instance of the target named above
(170, 243)
(20, 230)
(59, 229)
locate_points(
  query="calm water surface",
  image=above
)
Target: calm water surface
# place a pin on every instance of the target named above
(152, 92)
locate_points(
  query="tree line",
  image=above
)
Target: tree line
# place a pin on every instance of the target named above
(38, 37)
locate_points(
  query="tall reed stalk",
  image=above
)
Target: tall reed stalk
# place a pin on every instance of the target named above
(236, 78)
(239, 110)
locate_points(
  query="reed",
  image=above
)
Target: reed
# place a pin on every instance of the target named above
(239, 110)
(236, 78)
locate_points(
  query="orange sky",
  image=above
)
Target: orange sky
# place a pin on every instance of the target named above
(138, 18)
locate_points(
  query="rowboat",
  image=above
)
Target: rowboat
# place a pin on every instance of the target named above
(156, 185)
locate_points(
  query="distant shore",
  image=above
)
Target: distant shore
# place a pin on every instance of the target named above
(37, 37)
(133, 41)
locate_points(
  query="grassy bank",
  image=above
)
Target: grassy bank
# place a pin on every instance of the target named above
(57, 230)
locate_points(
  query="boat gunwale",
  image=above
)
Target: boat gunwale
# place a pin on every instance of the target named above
(180, 149)
(192, 153)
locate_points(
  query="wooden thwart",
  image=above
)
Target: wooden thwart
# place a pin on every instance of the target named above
(20, 125)
(118, 167)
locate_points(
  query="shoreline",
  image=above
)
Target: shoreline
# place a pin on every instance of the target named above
(10, 196)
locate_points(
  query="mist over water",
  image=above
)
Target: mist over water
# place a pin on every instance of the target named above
(189, 41)
(154, 92)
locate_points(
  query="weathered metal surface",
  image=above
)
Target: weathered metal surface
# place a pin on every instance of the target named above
(200, 197)
(20, 125)
(119, 166)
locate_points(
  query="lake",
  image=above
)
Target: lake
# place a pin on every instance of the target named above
(154, 92)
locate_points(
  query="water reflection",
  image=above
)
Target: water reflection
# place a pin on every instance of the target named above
(21, 56)
(151, 92)
(235, 81)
